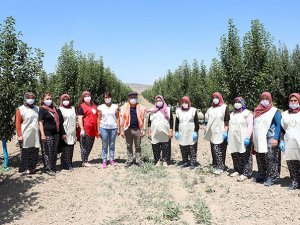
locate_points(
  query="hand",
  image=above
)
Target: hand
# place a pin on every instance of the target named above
(195, 136)
(64, 137)
(82, 133)
(282, 146)
(177, 135)
(100, 136)
(122, 134)
(20, 139)
(253, 152)
(170, 134)
(225, 136)
(247, 142)
(143, 132)
(118, 133)
(274, 143)
(43, 137)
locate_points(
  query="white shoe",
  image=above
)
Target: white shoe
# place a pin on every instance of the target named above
(87, 164)
(218, 171)
(158, 163)
(235, 174)
(242, 178)
(165, 164)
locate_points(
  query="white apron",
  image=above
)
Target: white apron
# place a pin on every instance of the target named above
(260, 130)
(30, 126)
(69, 124)
(186, 126)
(291, 124)
(237, 131)
(215, 125)
(159, 127)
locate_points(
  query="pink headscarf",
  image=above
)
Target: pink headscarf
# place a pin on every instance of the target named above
(260, 109)
(296, 95)
(186, 98)
(62, 98)
(220, 97)
(163, 109)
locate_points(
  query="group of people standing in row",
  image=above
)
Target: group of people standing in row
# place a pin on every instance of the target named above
(264, 133)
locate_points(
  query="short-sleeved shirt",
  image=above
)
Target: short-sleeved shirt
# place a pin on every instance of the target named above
(49, 122)
(108, 116)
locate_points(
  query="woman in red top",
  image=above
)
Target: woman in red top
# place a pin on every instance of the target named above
(88, 123)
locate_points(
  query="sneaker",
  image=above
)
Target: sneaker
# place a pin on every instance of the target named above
(71, 168)
(235, 174)
(242, 178)
(112, 163)
(158, 163)
(218, 171)
(51, 172)
(293, 186)
(269, 182)
(192, 166)
(104, 165)
(139, 164)
(32, 171)
(128, 164)
(165, 164)
(5, 168)
(86, 164)
(185, 164)
(260, 179)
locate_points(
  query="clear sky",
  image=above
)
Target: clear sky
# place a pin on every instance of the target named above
(140, 40)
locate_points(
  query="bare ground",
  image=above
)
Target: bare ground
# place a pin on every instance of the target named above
(147, 195)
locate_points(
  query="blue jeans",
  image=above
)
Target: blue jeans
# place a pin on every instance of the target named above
(108, 140)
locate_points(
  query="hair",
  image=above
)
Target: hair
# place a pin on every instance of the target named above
(26, 94)
(43, 96)
(107, 93)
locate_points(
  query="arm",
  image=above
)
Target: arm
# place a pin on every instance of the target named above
(19, 122)
(118, 121)
(276, 122)
(99, 122)
(249, 120)
(176, 124)
(171, 122)
(196, 122)
(41, 123)
(61, 124)
(149, 127)
(226, 118)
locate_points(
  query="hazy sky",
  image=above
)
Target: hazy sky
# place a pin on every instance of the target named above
(140, 40)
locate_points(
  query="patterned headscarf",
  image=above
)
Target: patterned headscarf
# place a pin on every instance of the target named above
(242, 101)
(296, 95)
(163, 109)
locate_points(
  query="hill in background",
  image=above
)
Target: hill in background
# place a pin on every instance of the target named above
(138, 87)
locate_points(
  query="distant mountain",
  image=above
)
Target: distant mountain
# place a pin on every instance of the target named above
(138, 87)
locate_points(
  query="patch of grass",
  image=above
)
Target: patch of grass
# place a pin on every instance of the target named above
(119, 220)
(209, 189)
(201, 212)
(171, 211)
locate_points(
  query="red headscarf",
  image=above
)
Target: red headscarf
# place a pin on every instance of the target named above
(260, 109)
(221, 101)
(163, 109)
(186, 98)
(61, 100)
(296, 95)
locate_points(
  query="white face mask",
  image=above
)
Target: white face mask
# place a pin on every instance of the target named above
(133, 101)
(264, 103)
(29, 101)
(216, 101)
(107, 100)
(294, 105)
(48, 102)
(87, 99)
(159, 104)
(66, 103)
(237, 105)
(185, 105)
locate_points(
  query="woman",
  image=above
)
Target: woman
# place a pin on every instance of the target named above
(88, 124)
(160, 130)
(49, 128)
(27, 127)
(217, 131)
(186, 131)
(240, 131)
(67, 117)
(291, 144)
(109, 128)
(266, 133)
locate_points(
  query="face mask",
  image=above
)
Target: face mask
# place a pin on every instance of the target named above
(107, 100)
(48, 102)
(133, 101)
(237, 105)
(185, 105)
(294, 105)
(87, 99)
(264, 103)
(159, 104)
(29, 101)
(66, 103)
(216, 101)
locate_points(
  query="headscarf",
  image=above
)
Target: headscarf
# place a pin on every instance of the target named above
(242, 101)
(26, 95)
(186, 98)
(296, 95)
(55, 115)
(260, 109)
(221, 101)
(61, 100)
(163, 109)
(82, 97)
